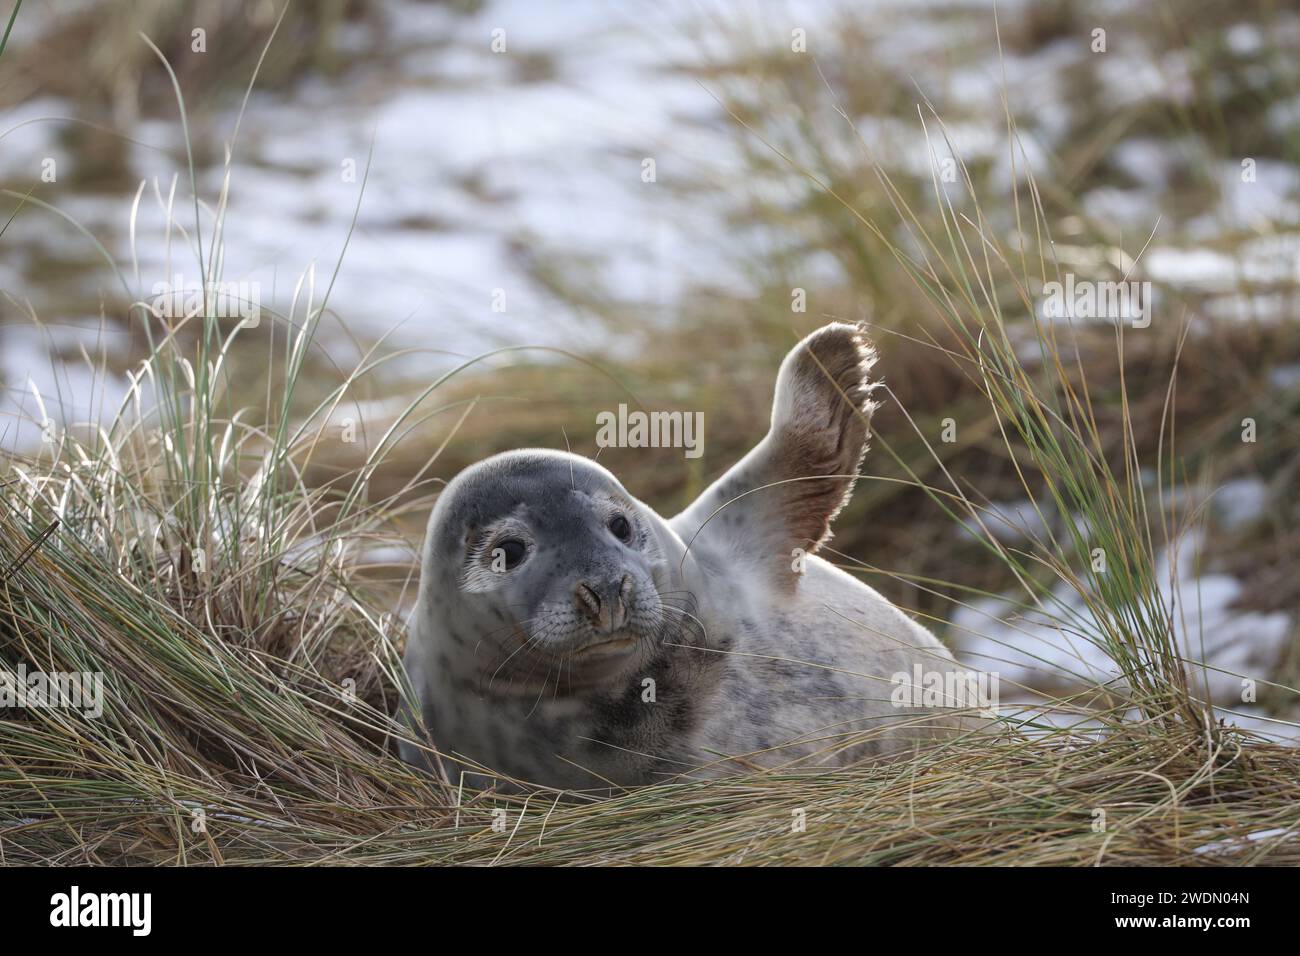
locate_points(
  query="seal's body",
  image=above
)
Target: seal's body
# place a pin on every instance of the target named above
(567, 635)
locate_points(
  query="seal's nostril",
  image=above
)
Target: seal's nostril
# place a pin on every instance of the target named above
(623, 601)
(587, 600)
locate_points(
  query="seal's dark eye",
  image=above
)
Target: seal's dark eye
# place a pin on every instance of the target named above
(620, 527)
(508, 554)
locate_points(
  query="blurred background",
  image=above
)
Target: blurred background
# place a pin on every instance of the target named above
(642, 188)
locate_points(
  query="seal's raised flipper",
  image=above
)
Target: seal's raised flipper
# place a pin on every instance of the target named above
(783, 495)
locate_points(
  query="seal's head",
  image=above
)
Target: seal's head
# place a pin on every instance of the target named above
(545, 566)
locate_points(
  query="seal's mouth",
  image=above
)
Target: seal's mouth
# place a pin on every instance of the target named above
(613, 645)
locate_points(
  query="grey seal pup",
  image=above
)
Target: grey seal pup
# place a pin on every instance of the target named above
(566, 635)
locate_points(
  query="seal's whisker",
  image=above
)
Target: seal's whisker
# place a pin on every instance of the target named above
(541, 692)
(529, 640)
(689, 618)
(529, 647)
(552, 627)
(519, 627)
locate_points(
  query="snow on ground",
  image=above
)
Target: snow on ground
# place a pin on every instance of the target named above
(1240, 502)
(1245, 842)
(39, 389)
(1060, 643)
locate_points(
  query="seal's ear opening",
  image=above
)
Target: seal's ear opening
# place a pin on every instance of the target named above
(778, 502)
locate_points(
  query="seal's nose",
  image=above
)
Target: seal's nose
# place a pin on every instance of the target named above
(606, 607)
